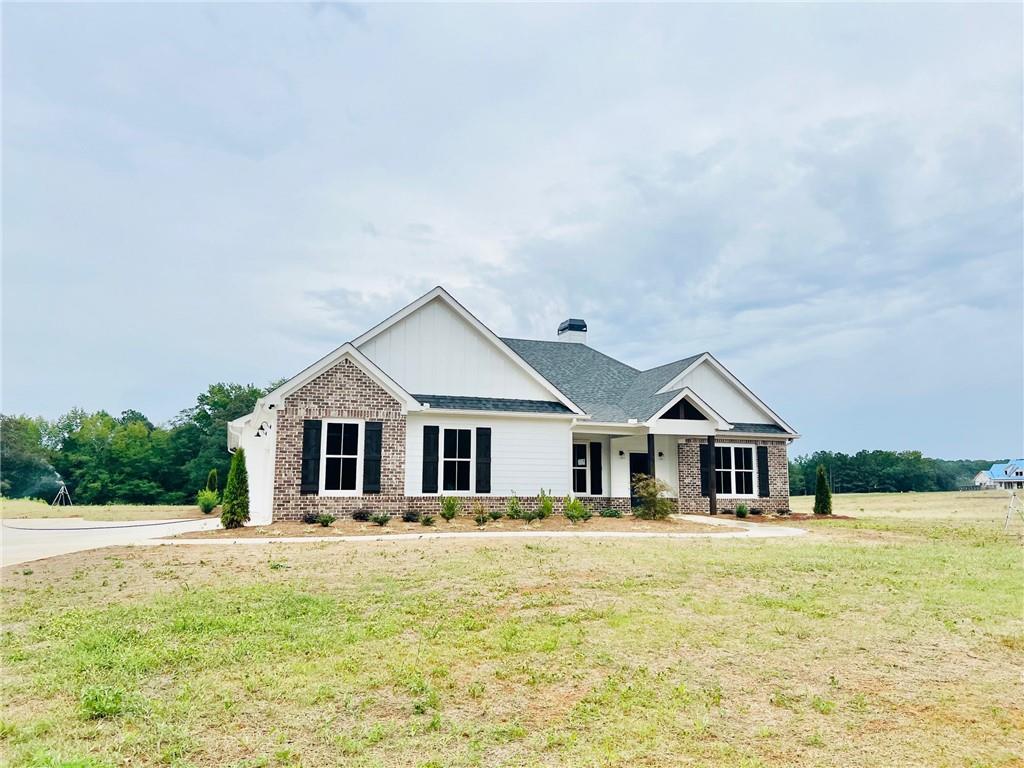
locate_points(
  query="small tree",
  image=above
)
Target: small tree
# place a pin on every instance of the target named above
(654, 505)
(212, 481)
(235, 506)
(822, 494)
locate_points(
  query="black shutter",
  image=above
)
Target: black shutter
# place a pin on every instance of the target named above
(430, 439)
(372, 441)
(483, 459)
(705, 469)
(310, 476)
(596, 489)
(762, 471)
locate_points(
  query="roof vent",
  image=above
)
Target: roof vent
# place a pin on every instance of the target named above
(574, 330)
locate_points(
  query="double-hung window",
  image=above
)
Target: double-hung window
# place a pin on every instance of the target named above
(457, 459)
(734, 470)
(341, 460)
(580, 468)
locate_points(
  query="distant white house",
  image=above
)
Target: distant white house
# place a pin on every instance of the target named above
(1009, 474)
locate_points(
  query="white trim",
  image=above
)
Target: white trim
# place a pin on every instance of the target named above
(503, 414)
(732, 471)
(440, 293)
(572, 469)
(698, 403)
(358, 490)
(707, 357)
(471, 491)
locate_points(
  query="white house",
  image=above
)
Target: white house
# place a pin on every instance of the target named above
(430, 401)
(1008, 474)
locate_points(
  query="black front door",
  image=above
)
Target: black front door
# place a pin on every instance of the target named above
(639, 464)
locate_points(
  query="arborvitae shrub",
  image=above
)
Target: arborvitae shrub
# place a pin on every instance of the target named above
(212, 481)
(822, 494)
(235, 508)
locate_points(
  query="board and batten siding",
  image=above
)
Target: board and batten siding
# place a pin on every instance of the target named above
(526, 454)
(434, 351)
(722, 395)
(666, 467)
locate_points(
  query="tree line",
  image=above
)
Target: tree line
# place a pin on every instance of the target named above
(125, 459)
(882, 472)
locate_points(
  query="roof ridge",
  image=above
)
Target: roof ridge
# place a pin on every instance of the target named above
(577, 343)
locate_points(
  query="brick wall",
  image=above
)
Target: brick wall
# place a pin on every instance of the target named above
(343, 392)
(690, 500)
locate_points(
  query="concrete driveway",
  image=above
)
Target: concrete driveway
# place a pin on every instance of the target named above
(22, 541)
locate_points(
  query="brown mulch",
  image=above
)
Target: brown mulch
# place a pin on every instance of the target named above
(461, 524)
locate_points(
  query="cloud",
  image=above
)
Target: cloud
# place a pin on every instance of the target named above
(822, 196)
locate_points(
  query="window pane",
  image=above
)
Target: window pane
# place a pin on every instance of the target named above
(723, 482)
(451, 439)
(332, 475)
(744, 458)
(744, 482)
(579, 455)
(448, 483)
(462, 477)
(723, 458)
(464, 443)
(334, 439)
(348, 474)
(350, 441)
(579, 481)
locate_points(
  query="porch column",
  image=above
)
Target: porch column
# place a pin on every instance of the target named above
(650, 452)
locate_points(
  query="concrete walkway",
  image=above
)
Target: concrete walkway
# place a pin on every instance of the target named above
(23, 541)
(750, 531)
(26, 540)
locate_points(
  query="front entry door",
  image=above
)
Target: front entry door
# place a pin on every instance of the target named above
(639, 464)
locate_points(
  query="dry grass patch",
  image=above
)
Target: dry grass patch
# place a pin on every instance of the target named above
(34, 508)
(874, 649)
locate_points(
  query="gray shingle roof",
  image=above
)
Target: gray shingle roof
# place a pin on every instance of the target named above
(766, 429)
(602, 386)
(457, 402)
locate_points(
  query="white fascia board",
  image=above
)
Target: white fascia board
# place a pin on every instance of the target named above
(439, 412)
(708, 359)
(777, 436)
(469, 317)
(699, 404)
(367, 366)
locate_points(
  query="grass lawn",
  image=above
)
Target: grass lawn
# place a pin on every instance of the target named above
(34, 508)
(873, 642)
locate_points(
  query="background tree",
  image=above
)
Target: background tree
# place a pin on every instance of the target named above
(235, 505)
(822, 494)
(25, 460)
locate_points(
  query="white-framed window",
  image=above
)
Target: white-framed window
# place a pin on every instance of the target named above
(341, 460)
(580, 469)
(735, 470)
(457, 460)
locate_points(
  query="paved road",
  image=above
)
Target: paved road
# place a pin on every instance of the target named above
(25, 540)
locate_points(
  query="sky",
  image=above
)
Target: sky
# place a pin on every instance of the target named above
(826, 197)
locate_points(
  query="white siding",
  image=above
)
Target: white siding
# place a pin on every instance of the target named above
(433, 351)
(259, 464)
(720, 394)
(665, 468)
(526, 454)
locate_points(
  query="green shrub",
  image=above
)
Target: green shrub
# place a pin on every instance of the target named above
(212, 481)
(784, 512)
(609, 512)
(481, 518)
(325, 520)
(362, 515)
(756, 511)
(530, 514)
(381, 519)
(427, 520)
(545, 505)
(450, 507)
(822, 494)
(234, 511)
(575, 512)
(653, 504)
(101, 701)
(207, 500)
(310, 518)
(411, 516)
(514, 507)
(742, 510)
(496, 514)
